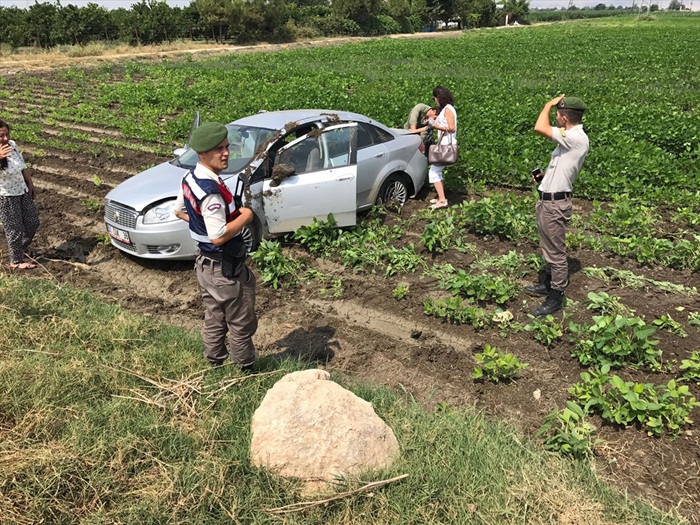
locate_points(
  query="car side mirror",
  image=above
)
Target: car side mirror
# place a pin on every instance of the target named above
(179, 152)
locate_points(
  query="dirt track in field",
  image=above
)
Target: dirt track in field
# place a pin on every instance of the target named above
(365, 332)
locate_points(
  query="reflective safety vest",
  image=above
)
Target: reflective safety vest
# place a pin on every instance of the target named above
(195, 190)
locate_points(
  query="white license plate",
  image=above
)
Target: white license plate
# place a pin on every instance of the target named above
(118, 234)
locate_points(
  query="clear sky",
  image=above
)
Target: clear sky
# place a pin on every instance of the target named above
(538, 4)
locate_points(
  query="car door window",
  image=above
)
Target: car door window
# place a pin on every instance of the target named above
(303, 157)
(382, 136)
(336, 145)
(365, 138)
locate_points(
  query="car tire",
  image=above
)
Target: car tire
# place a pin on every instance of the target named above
(251, 234)
(394, 191)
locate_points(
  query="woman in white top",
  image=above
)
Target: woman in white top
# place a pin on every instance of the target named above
(446, 126)
(18, 212)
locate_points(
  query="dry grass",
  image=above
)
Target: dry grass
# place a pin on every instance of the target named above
(37, 59)
(113, 420)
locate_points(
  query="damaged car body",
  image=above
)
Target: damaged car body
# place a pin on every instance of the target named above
(290, 167)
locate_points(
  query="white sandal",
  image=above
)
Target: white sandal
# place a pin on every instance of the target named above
(439, 204)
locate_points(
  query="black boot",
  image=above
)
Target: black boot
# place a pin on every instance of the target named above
(553, 303)
(539, 290)
(543, 287)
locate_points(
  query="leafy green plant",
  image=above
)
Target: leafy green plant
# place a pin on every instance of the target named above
(616, 341)
(568, 432)
(401, 260)
(368, 245)
(546, 330)
(666, 322)
(483, 287)
(694, 319)
(605, 304)
(456, 310)
(506, 215)
(400, 291)
(442, 234)
(97, 181)
(275, 267)
(320, 236)
(625, 217)
(687, 216)
(493, 365)
(632, 280)
(690, 368)
(335, 289)
(659, 410)
(92, 204)
(103, 239)
(513, 264)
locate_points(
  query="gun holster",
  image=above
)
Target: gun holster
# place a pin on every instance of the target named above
(234, 254)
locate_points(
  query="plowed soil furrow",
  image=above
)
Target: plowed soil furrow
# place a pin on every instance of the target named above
(114, 173)
(98, 176)
(116, 169)
(44, 186)
(70, 125)
(60, 182)
(128, 144)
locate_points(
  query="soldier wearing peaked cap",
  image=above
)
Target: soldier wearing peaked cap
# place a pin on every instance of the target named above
(216, 218)
(555, 190)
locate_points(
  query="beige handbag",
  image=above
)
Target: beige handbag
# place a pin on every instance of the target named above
(444, 154)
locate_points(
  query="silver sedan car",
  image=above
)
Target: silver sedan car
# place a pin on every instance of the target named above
(288, 166)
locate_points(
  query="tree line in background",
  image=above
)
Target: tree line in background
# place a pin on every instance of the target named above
(46, 25)
(239, 21)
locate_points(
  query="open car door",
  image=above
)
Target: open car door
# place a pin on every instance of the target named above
(195, 124)
(311, 177)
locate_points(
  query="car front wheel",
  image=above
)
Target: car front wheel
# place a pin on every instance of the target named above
(394, 191)
(251, 235)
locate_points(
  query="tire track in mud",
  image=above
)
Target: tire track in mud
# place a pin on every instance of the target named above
(417, 356)
(403, 329)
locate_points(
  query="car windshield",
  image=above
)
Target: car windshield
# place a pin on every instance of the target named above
(244, 142)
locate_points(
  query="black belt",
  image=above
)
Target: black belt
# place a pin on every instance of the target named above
(558, 196)
(212, 256)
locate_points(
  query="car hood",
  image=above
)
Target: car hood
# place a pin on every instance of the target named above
(155, 184)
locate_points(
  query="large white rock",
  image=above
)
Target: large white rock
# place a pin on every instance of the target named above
(310, 428)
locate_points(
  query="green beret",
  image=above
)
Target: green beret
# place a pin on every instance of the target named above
(572, 103)
(208, 136)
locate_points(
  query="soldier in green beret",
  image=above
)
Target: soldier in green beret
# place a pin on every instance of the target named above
(216, 218)
(555, 190)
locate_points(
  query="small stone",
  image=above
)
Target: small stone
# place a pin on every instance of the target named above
(537, 394)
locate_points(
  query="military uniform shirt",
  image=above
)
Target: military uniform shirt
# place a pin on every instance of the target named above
(567, 159)
(213, 207)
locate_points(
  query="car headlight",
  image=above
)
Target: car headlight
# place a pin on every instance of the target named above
(163, 212)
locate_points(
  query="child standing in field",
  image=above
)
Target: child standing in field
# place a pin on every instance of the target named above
(446, 125)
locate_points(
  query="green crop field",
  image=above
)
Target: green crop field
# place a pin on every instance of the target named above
(640, 79)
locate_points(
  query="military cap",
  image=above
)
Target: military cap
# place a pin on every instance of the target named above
(207, 136)
(572, 103)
